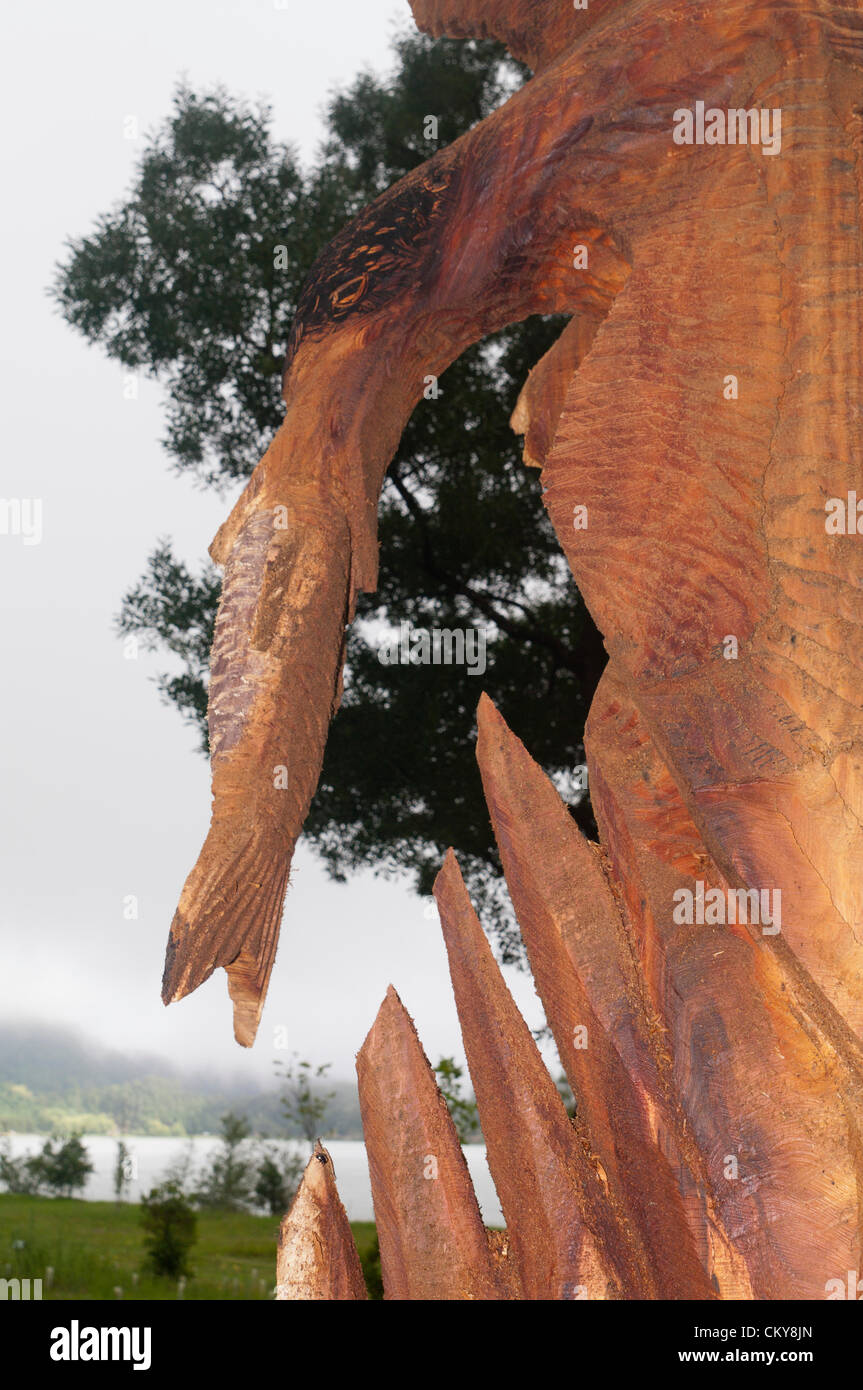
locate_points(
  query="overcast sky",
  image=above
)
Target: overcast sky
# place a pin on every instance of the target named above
(104, 794)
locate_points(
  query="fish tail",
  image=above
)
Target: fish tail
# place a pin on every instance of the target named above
(229, 915)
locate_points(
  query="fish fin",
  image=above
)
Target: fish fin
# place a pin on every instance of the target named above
(229, 915)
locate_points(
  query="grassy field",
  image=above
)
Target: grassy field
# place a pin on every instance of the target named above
(96, 1248)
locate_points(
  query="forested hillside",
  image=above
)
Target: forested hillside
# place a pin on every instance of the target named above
(55, 1079)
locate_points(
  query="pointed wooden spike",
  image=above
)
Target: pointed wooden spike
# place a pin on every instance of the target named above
(548, 1189)
(432, 1239)
(317, 1258)
(584, 970)
(556, 871)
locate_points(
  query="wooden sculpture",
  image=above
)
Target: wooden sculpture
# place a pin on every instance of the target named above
(686, 183)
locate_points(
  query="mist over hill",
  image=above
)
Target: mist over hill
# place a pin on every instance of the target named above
(57, 1079)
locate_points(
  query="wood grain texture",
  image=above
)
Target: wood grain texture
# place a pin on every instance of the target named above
(534, 31)
(609, 1039)
(432, 1240)
(717, 1150)
(317, 1259)
(477, 238)
(757, 1080)
(552, 1195)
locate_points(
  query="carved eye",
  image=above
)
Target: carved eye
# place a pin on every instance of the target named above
(349, 293)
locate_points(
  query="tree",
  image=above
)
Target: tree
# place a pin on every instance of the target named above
(23, 1175)
(277, 1181)
(302, 1104)
(170, 1230)
(194, 279)
(180, 1171)
(122, 1170)
(227, 1182)
(62, 1167)
(465, 1116)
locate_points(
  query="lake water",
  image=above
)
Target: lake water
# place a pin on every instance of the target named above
(150, 1157)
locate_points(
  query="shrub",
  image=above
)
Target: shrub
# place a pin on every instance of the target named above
(170, 1230)
(274, 1186)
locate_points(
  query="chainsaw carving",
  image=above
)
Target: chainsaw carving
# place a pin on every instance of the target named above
(714, 1152)
(685, 183)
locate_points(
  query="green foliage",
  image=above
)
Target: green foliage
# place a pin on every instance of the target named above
(303, 1103)
(277, 1181)
(370, 1260)
(465, 1116)
(173, 609)
(270, 1188)
(52, 1081)
(66, 1165)
(180, 280)
(170, 1230)
(239, 1175)
(21, 1176)
(228, 1180)
(61, 1168)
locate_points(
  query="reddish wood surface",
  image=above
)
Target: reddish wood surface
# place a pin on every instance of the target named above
(433, 1243)
(706, 525)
